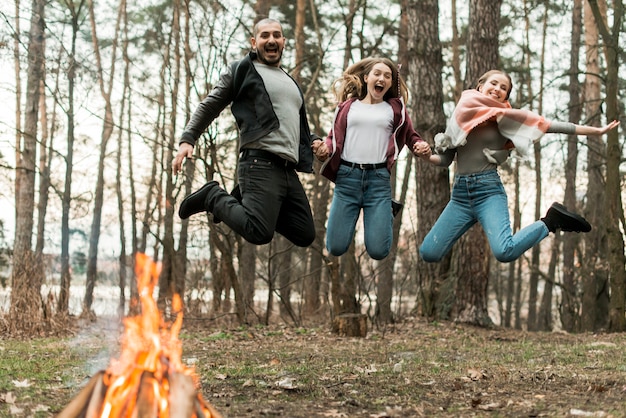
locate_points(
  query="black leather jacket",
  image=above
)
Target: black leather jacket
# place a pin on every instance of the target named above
(242, 86)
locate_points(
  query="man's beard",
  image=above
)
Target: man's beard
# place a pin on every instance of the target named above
(263, 59)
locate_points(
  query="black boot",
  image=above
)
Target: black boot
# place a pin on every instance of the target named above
(196, 202)
(558, 217)
(396, 206)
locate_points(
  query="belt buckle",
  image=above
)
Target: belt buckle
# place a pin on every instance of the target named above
(361, 166)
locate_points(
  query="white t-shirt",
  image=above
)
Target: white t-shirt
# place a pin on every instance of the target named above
(367, 134)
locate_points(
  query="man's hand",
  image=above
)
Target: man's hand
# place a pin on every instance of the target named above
(320, 150)
(185, 150)
(422, 150)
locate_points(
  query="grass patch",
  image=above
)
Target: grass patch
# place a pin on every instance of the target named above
(415, 369)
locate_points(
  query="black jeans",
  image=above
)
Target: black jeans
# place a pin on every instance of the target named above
(273, 199)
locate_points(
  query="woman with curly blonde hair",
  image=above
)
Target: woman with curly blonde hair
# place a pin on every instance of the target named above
(370, 128)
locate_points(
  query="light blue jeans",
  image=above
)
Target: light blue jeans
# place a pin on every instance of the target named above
(480, 197)
(357, 189)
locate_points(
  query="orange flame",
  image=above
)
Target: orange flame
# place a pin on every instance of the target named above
(150, 354)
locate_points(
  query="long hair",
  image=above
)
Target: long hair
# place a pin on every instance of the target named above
(483, 79)
(352, 82)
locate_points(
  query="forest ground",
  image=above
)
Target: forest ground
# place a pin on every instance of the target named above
(411, 369)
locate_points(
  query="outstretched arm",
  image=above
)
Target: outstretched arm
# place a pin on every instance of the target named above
(595, 130)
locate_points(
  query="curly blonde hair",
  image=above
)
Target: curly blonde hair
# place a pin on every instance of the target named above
(352, 82)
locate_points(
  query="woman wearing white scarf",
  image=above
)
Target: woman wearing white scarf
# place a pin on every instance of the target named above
(482, 131)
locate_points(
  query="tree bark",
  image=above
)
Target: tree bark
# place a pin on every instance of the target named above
(472, 262)
(75, 10)
(170, 280)
(594, 275)
(432, 183)
(25, 312)
(616, 257)
(107, 131)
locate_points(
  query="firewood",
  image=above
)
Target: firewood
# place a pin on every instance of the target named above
(147, 405)
(182, 395)
(77, 407)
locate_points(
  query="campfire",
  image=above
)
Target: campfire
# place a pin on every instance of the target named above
(149, 379)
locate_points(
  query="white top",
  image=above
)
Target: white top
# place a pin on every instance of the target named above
(368, 132)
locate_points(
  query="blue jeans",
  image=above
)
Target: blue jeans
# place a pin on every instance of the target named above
(357, 189)
(480, 197)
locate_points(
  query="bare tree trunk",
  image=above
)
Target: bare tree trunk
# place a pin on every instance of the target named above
(25, 312)
(473, 264)
(536, 250)
(384, 292)
(180, 255)
(519, 285)
(616, 257)
(595, 273)
(544, 319)
(514, 280)
(63, 301)
(107, 131)
(247, 272)
(313, 282)
(352, 10)
(283, 270)
(119, 167)
(456, 53)
(471, 294)
(134, 292)
(44, 169)
(18, 89)
(46, 158)
(170, 280)
(432, 183)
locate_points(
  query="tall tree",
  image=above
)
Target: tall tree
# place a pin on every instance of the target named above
(76, 10)
(594, 281)
(107, 130)
(384, 291)
(432, 183)
(170, 281)
(536, 250)
(25, 311)
(616, 258)
(119, 165)
(472, 257)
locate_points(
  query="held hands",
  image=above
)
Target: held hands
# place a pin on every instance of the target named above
(422, 150)
(320, 150)
(185, 150)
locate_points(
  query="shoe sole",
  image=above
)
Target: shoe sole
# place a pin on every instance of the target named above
(184, 214)
(585, 225)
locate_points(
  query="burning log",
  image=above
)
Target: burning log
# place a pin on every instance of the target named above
(183, 400)
(149, 380)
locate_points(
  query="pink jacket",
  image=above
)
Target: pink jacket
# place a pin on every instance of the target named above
(402, 134)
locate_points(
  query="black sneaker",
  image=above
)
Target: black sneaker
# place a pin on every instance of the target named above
(395, 207)
(558, 217)
(196, 202)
